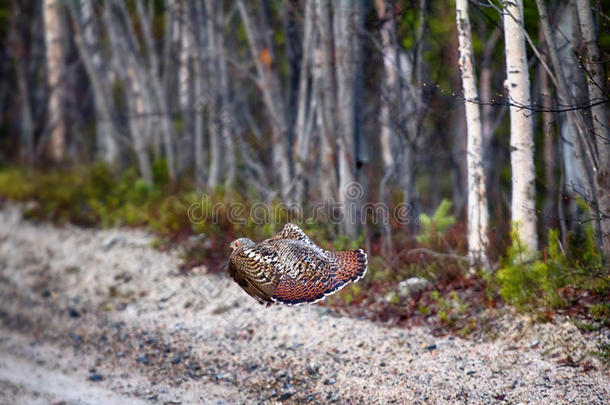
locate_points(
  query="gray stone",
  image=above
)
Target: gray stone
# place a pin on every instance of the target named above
(411, 286)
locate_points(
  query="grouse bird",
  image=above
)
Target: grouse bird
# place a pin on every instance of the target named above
(290, 269)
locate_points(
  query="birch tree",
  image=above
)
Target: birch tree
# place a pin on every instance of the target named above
(523, 214)
(601, 134)
(56, 73)
(477, 194)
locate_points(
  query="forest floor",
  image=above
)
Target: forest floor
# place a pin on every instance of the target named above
(99, 316)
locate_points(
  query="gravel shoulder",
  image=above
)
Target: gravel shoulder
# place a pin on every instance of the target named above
(99, 316)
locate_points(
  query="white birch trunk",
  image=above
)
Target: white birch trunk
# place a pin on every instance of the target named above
(523, 209)
(55, 55)
(477, 194)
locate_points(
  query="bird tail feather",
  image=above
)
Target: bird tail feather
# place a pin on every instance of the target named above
(351, 264)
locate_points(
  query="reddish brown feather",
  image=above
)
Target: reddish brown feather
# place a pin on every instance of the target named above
(351, 264)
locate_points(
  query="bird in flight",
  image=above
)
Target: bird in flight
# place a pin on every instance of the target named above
(290, 269)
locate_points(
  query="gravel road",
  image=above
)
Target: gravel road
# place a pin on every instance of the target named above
(99, 316)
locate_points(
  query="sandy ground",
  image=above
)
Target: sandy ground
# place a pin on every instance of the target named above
(98, 316)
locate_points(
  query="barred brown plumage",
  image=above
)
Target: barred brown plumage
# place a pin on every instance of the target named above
(290, 269)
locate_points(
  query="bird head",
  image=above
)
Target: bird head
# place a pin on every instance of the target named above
(238, 243)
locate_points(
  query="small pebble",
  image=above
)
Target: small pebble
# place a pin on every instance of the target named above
(312, 369)
(329, 381)
(194, 366)
(286, 395)
(142, 358)
(96, 377)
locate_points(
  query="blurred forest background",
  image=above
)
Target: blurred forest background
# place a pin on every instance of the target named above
(464, 117)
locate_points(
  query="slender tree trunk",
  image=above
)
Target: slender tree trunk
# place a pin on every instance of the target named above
(20, 40)
(389, 98)
(324, 74)
(523, 207)
(185, 84)
(214, 107)
(488, 112)
(389, 108)
(266, 67)
(550, 150)
(200, 162)
(414, 114)
(132, 80)
(348, 20)
(583, 147)
(601, 134)
(301, 143)
(477, 194)
(137, 127)
(159, 90)
(88, 46)
(491, 117)
(227, 114)
(55, 57)
(27, 127)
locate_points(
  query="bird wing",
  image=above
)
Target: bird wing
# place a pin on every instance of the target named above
(309, 274)
(253, 268)
(306, 274)
(292, 231)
